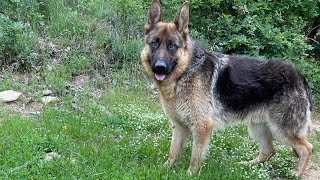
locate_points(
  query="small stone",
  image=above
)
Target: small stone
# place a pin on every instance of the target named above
(9, 96)
(49, 99)
(73, 160)
(76, 107)
(104, 109)
(49, 156)
(68, 84)
(35, 113)
(47, 92)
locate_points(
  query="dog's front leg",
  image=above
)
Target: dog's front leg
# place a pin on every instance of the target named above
(201, 139)
(179, 137)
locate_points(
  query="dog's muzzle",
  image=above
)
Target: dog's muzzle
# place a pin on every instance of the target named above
(160, 70)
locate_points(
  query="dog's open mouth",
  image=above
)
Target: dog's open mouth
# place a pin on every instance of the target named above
(160, 77)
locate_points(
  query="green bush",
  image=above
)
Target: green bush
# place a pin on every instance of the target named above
(271, 29)
(124, 32)
(19, 21)
(111, 31)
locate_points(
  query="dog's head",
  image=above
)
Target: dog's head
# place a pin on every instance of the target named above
(165, 53)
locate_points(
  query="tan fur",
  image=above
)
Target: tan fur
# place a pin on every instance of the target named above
(180, 109)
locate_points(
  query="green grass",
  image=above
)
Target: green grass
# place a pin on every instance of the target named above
(120, 134)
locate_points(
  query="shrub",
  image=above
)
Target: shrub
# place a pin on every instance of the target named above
(124, 31)
(18, 23)
(271, 29)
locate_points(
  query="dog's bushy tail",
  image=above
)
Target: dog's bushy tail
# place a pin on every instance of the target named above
(308, 90)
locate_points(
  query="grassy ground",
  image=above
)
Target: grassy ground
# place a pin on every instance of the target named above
(108, 124)
(114, 130)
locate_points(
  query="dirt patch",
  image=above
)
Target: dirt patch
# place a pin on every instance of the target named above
(80, 80)
(28, 106)
(313, 172)
(25, 106)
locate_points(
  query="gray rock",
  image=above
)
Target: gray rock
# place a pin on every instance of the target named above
(9, 96)
(47, 92)
(49, 156)
(49, 99)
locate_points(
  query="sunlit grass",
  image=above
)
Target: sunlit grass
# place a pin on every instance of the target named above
(119, 132)
(120, 136)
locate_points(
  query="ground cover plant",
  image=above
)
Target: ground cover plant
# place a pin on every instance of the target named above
(108, 122)
(120, 135)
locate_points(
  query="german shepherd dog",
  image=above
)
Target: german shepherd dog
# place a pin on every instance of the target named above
(202, 90)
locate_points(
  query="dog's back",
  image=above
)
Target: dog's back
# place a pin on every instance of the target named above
(245, 82)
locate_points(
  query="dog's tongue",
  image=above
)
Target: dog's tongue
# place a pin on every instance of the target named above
(160, 77)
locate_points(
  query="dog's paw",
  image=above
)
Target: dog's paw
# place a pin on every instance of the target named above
(168, 163)
(254, 161)
(296, 173)
(251, 162)
(246, 163)
(190, 171)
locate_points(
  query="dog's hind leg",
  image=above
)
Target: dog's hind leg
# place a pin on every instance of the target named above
(179, 137)
(201, 139)
(299, 142)
(304, 149)
(262, 134)
(293, 129)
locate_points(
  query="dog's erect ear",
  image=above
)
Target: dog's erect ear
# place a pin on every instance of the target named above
(155, 16)
(182, 18)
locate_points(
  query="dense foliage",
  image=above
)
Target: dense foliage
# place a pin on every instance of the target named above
(271, 29)
(17, 36)
(109, 32)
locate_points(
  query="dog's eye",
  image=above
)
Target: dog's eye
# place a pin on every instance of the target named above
(154, 44)
(172, 46)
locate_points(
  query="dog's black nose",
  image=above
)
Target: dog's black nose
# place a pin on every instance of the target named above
(160, 66)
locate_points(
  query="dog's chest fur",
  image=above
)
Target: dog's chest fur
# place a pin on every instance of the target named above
(188, 102)
(189, 98)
